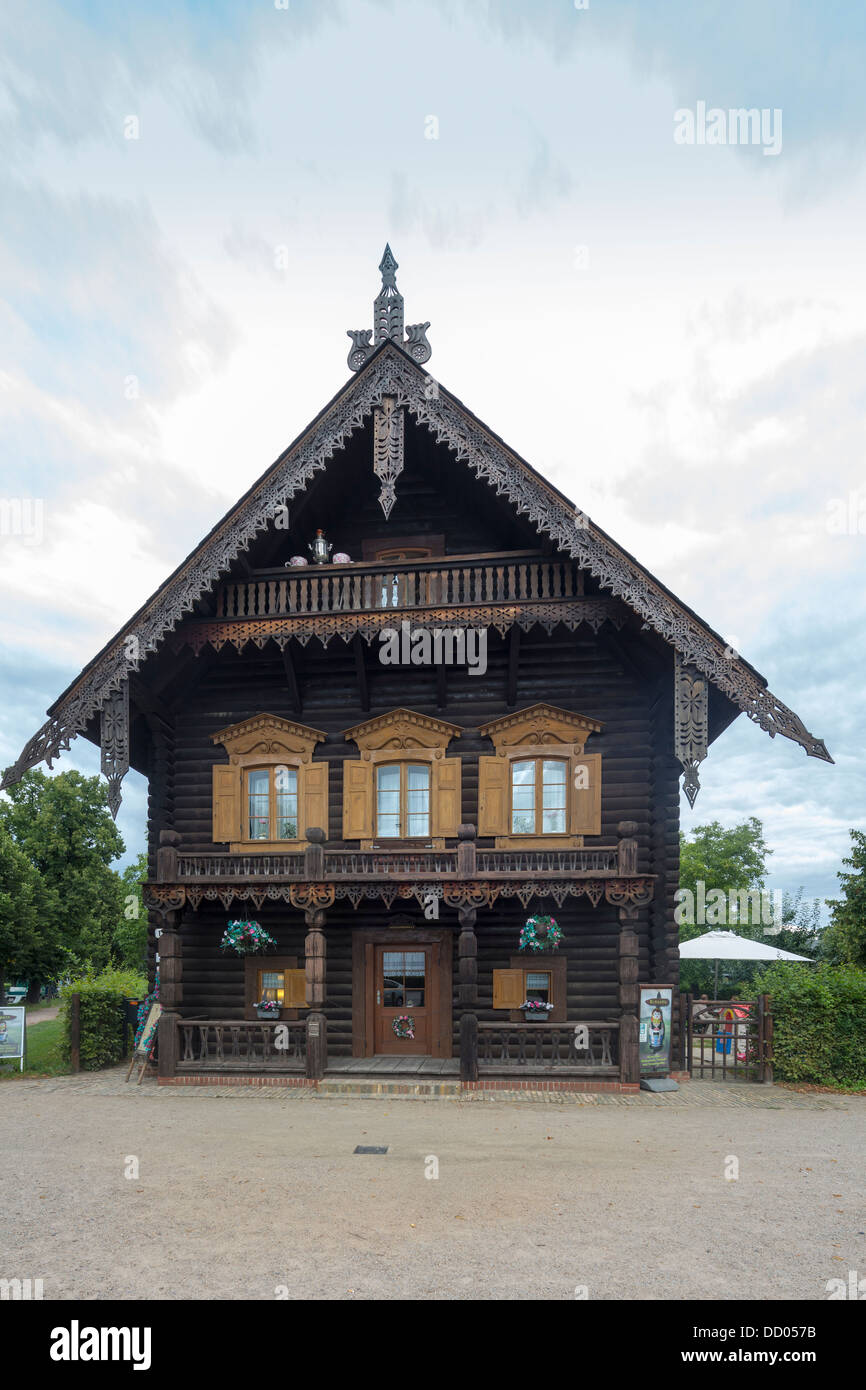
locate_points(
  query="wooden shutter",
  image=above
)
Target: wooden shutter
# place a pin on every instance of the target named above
(226, 803)
(586, 804)
(295, 984)
(493, 796)
(314, 810)
(446, 796)
(357, 800)
(508, 989)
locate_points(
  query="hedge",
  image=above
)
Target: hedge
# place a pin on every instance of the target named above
(819, 1022)
(100, 1014)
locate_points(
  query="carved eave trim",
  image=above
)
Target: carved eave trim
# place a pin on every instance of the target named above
(268, 735)
(401, 728)
(540, 724)
(391, 371)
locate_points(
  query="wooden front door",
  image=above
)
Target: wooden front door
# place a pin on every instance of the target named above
(405, 985)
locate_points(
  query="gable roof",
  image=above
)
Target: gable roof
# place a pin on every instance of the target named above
(390, 371)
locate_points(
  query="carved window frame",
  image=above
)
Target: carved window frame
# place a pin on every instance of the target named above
(541, 731)
(403, 736)
(268, 742)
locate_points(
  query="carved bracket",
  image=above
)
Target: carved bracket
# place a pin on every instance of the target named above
(114, 741)
(691, 704)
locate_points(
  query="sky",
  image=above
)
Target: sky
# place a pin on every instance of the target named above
(194, 198)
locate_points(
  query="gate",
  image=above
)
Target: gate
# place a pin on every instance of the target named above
(727, 1040)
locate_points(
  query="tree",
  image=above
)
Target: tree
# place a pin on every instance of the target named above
(723, 862)
(729, 861)
(130, 934)
(22, 942)
(64, 828)
(845, 938)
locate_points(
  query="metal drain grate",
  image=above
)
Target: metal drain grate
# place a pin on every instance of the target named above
(370, 1149)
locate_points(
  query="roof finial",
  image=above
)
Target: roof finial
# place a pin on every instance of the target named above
(388, 322)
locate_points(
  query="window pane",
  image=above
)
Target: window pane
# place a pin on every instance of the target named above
(523, 798)
(392, 979)
(418, 799)
(553, 822)
(414, 979)
(538, 986)
(286, 783)
(273, 985)
(258, 788)
(388, 801)
(553, 772)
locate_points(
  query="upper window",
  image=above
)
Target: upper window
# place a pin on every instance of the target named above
(272, 802)
(540, 788)
(403, 787)
(539, 796)
(270, 792)
(403, 801)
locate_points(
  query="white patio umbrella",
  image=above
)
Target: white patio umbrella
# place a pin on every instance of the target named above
(726, 945)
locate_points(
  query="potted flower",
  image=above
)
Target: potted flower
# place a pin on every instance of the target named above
(536, 1010)
(247, 938)
(268, 1008)
(540, 934)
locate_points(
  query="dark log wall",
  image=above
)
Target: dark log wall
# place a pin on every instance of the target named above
(572, 670)
(590, 673)
(577, 671)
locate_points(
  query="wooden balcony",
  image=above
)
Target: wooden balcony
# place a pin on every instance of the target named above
(497, 590)
(438, 864)
(461, 581)
(464, 876)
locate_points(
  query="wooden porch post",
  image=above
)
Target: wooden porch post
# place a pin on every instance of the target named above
(629, 1061)
(170, 950)
(469, 1047)
(467, 952)
(316, 949)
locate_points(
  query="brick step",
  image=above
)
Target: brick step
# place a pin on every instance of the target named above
(405, 1086)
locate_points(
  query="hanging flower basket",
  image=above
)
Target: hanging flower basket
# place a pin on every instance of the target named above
(404, 1026)
(247, 938)
(540, 934)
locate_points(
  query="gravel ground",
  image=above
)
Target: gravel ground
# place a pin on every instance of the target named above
(246, 1193)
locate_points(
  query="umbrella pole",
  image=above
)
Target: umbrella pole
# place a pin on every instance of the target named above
(715, 979)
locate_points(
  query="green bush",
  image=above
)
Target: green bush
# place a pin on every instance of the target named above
(100, 1014)
(819, 1022)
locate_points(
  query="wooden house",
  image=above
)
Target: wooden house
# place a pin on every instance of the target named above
(469, 708)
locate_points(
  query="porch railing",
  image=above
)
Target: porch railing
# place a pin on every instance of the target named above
(458, 581)
(227, 1045)
(549, 1046)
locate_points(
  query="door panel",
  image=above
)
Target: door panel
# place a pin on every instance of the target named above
(405, 983)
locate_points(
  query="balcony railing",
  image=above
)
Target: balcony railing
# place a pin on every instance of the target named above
(459, 581)
(343, 864)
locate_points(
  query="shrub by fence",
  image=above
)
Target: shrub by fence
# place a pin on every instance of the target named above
(101, 1014)
(819, 1022)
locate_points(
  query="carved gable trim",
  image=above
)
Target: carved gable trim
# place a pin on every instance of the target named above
(391, 372)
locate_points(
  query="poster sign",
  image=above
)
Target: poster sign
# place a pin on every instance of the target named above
(654, 1029)
(13, 1033)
